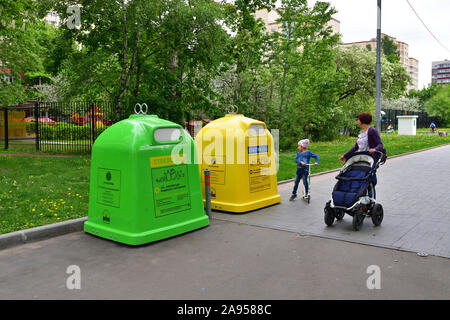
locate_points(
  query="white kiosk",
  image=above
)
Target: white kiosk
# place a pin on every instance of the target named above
(407, 125)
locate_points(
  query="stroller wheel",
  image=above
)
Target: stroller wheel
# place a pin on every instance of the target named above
(329, 216)
(358, 219)
(377, 214)
(340, 215)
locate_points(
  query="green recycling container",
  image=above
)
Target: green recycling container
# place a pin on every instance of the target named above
(145, 183)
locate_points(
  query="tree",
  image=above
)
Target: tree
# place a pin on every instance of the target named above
(19, 52)
(244, 81)
(424, 94)
(161, 52)
(439, 104)
(358, 94)
(304, 71)
(390, 50)
(403, 103)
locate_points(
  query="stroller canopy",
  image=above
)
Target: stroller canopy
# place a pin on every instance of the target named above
(359, 158)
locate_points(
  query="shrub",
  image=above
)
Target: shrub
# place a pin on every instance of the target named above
(68, 131)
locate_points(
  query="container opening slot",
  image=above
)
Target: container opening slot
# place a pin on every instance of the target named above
(256, 129)
(167, 134)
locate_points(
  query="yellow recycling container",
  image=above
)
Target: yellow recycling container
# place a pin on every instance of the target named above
(239, 153)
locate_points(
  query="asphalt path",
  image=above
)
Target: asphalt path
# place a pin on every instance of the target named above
(414, 191)
(281, 252)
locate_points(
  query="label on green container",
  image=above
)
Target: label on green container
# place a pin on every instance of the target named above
(170, 189)
(108, 191)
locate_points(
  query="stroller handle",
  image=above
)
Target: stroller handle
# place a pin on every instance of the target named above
(367, 152)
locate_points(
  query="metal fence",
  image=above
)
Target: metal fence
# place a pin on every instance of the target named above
(17, 127)
(55, 126)
(72, 127)
(423, 120)
(60, 127)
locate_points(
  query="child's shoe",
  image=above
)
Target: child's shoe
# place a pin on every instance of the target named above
(292, 197)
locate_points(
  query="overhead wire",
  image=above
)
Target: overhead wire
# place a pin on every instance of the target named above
(428, 29)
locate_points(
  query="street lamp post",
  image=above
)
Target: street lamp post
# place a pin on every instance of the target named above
(378, 70)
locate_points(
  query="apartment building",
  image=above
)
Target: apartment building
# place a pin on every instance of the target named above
(440, 72)
(270, 20)
(413, 70)
(411, 64)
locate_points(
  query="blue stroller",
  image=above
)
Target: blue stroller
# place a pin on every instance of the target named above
(354, 193)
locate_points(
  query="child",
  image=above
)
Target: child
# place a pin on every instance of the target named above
(432, 127)
(390, 128)
(302, 158)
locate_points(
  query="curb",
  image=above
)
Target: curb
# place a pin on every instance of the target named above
(41, 233)
(16, 238)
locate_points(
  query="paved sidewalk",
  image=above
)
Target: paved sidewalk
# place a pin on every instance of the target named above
(414, 191)
(223, 261)
(265, 254)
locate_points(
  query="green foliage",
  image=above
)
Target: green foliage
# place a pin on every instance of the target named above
(19, 52)
(68, 131)
(404, 103)
(425, 94)
(197, 58)
(163, 53)
(245, 80)
(390, 50)
(439, 104)
(359, 92)
(305, 72)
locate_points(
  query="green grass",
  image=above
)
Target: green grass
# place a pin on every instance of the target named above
(19, 146)
(36, 191)
(329, 152)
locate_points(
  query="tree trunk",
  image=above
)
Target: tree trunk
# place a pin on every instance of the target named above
(126, 70)
(283, 88)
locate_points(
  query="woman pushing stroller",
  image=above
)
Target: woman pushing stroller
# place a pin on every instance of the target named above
(354, 193)
(368, 140)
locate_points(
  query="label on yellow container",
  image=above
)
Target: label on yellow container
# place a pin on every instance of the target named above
(258, 168)
(217, 168)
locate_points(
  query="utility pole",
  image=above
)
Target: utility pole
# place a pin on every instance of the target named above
(378, 70)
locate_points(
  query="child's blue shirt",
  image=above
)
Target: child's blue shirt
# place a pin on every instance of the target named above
(305, 157)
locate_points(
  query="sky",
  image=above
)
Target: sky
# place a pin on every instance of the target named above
(358, 20)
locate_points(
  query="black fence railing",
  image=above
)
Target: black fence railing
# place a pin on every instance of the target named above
(73, 127)
(423, 120)
(17, 127)
(55, 126)
(61, 127)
